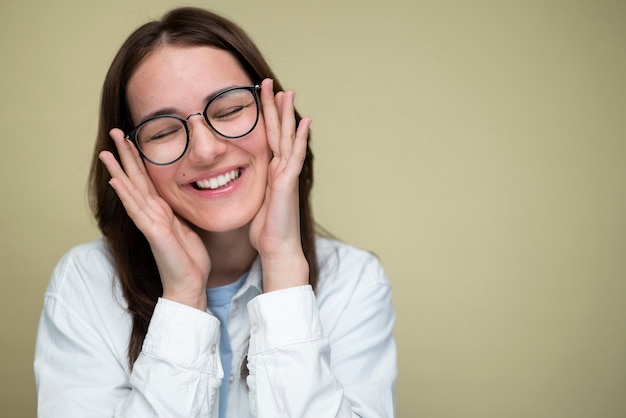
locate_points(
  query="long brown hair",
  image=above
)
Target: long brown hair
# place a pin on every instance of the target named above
(129, 249)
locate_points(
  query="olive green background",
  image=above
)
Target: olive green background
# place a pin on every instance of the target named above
(478, 147)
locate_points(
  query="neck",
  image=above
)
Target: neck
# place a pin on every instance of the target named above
(231, 255)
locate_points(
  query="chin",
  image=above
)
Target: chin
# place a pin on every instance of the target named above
(229, 224)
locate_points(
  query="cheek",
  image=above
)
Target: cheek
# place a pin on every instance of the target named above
(261, 145)
(265, 156)
(162, 177)
(255, 145)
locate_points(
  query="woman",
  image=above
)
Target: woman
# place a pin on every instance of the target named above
(199, 300)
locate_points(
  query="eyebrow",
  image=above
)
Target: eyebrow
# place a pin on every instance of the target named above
(171, 111)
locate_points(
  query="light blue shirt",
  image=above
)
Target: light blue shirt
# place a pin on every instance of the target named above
(218, 301)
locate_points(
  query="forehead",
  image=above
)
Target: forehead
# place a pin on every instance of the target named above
(181, 78)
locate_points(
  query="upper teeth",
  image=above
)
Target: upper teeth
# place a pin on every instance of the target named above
(219, 181)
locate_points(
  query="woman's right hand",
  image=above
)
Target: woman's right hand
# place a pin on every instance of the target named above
(180, 254)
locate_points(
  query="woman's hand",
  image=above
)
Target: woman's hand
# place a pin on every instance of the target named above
(275, 230)
(181, 257)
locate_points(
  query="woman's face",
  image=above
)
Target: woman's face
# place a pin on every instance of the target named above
(180, 81)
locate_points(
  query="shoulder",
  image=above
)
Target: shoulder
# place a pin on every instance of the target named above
(85, 254)
(84, 283)
(83, 303)
(337, 259)
(352, 288)
(84, 265)
(347, 273)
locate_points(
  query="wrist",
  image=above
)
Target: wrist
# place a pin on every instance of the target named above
(191, 299)
(284, 271)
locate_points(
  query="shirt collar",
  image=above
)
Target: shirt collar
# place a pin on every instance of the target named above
(254, 281)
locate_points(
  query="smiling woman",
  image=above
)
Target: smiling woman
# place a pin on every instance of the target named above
(226, 302)
(240, 145)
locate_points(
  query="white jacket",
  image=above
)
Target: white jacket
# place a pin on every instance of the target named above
(328, 354)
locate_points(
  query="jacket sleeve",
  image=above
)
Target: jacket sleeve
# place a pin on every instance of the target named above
(177, 374)
(297, 371)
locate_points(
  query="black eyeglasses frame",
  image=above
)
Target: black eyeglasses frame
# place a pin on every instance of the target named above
(132, 135)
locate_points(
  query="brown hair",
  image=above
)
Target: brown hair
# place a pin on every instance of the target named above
(129, 249)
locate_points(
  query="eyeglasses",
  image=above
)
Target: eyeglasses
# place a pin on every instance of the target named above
(231, 113)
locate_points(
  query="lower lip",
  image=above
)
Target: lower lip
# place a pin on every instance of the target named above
(229, 188)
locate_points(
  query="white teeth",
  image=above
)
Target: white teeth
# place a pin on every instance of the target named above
(219, 181)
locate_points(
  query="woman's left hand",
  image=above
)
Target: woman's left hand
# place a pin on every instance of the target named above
(275, 230)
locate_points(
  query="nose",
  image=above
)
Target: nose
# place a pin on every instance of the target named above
(205, 145)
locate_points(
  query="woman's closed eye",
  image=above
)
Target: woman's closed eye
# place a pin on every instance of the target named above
(227, 113)
(163, 133)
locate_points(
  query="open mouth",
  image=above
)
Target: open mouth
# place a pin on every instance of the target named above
(218, 182)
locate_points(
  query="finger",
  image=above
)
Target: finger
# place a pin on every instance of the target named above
(131, 183)
(271, 114)
(279, 99)
(120, 182)
(298, 152)
(118, 176)
(288, 123)
(132, 200)
(111, 164)
(132, 162)
(286, 170)
(124, 147)
(145, 209)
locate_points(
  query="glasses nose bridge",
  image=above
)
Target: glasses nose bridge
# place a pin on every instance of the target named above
(194, 114)
(190, 127)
